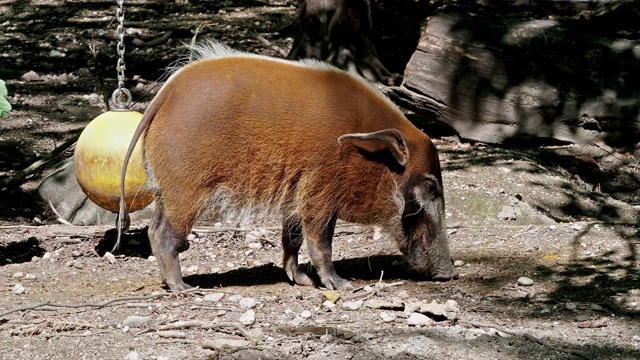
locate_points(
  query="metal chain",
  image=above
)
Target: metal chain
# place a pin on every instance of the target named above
(121, 96)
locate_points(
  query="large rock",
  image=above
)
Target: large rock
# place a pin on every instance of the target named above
(60, 189)
(500, 79)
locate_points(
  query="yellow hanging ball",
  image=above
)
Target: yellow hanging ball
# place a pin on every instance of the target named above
(98, 161)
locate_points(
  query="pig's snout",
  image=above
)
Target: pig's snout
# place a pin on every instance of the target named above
(445, 274)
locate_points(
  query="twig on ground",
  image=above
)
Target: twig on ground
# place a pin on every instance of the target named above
(214, 229)
(154, 42)
(177, 341)
(273, 47)
(86, 333)
(20, 175)
(60, 217)
(619, 309)
(6, 227)
(201, 307)
(529, 337)
(116, 301)
(171, 334)
(204, 325)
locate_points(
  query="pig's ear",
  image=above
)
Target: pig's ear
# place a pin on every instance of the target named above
(390, 140)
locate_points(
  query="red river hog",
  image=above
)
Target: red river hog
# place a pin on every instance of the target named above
(243, 133)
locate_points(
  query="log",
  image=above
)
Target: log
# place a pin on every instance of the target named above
(503, 80)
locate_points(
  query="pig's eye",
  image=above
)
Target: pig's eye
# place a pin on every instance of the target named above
(431, 186)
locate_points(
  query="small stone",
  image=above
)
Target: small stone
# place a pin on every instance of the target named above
(397, 262)
(191, 237)
(215, 297)
(596, 307)
(452, 306)
(636, 338)
(383, 304)
(17, 275)
(530, 295)
(332, 296)
(69, 263)
(507, 213)
(255, 245)
(570, 306)
(247, 303)
(577, 227)
(151, 259)
(248, 318)
(305, 314)
(251, 237)
(352, 305)
(18, 289)
(133, 243)
(133, 356)
(377, 234)
(458, 263)
(56, 53)
(192, 269)
(417, 319)
(524, 281)
(326, 338)
(109, 257)
(403, 294)
(328, 305)
(255, 334)
(386, 317)
(30, 277)
(412, 306)
(545, 311)
(448, 310)
(135, 321)
(47, 256)
(125, 329)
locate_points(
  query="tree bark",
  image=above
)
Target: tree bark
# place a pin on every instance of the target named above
(505, 80)
(340, 33)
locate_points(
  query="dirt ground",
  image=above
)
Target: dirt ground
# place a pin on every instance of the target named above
(511, 213)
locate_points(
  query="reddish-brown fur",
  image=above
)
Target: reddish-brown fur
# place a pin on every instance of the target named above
(302, 139)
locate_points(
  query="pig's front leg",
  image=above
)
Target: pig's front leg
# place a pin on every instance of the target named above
(319, 235)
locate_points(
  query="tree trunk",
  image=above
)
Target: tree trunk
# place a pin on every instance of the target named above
(504, 80)
(340, 32)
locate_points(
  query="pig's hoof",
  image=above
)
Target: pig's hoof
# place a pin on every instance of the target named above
(179, 286)
(299, 277)
(337, 283)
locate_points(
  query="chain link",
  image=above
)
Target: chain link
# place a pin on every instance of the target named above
(121, 96)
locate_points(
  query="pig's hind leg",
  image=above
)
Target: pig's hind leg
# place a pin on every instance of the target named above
(319, 236)
(291, 243)
(166, 243)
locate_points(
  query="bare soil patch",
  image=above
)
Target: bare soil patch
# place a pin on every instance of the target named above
(512, 213)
